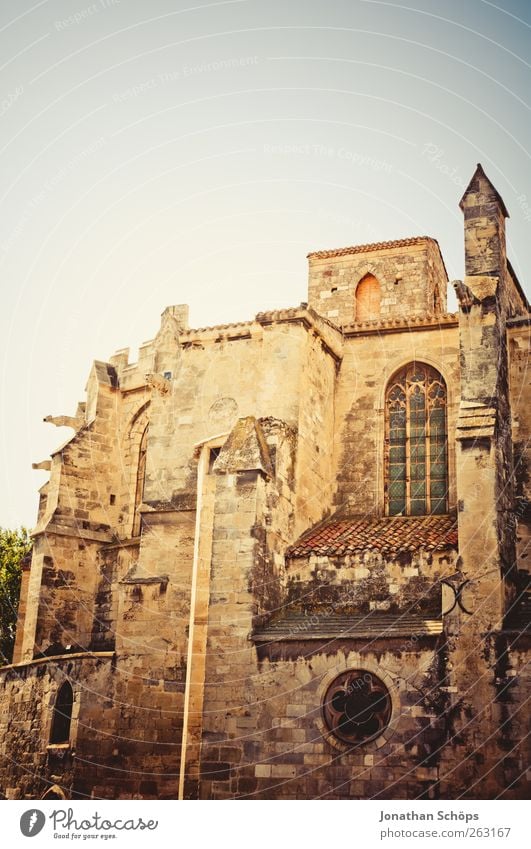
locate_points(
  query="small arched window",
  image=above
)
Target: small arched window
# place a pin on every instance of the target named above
(62, 714)
(416, 442)
(368, 295)
(140, 481)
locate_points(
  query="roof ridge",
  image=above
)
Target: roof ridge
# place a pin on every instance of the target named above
(372, 246)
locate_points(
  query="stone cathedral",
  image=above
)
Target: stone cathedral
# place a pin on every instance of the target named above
(288, 558)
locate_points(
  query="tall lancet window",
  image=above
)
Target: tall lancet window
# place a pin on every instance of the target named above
(416, 441)
(62, 714)
(140, 481)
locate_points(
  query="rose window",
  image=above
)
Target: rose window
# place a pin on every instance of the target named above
(357, 706)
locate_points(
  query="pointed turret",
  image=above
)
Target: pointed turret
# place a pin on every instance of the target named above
(484, 444)
(485, 214)
(481, 188)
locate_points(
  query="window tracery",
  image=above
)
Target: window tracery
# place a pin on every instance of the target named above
(357, 707)
(416, 442)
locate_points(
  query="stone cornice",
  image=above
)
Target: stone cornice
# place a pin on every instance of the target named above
(55, 658)
(519, 321)
(398, 325)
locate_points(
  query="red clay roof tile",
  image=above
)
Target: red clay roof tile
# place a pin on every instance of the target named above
(387, 535)
(374, 246)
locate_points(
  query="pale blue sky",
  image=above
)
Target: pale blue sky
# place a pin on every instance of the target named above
(170, 151)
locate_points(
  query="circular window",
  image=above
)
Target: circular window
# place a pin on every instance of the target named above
(357, 706)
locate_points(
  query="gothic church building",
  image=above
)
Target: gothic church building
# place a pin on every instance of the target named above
(287, 558)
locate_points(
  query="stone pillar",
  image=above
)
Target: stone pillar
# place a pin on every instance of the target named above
(484, 493)
(197, 631)
(484, 449)
(221, 656)
(26, 643)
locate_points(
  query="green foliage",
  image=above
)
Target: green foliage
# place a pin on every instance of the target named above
(14, 545)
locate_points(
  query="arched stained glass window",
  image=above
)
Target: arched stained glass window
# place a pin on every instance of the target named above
(416, 478)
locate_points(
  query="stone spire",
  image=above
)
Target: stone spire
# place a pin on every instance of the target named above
(485, 214)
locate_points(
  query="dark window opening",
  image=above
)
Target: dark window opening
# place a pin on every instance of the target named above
(140, 482)
(62, 714)
(212, 457)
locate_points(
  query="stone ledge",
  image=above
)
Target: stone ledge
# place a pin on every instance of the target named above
(75, 530)
(58, 657)
(127, 542)
(475, 421)
(374, 625)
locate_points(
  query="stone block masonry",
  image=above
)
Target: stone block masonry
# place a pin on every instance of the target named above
(218, 604)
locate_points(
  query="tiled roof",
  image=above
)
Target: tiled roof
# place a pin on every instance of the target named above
(374, 246)
(388, 535)
(315, 626)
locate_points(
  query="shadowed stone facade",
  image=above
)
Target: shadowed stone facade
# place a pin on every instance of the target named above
(219, 547)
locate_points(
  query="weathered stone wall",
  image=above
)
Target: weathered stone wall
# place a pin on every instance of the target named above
(237, 551)
(256, 516)
(221, 377)
(272, 744)
(131, 733)
(360, 583)
(410, 272)
(314, 474)
(67, 594)
(125, 734)
(80, 507)
(369, 361)
(255, 432)
(487, 754)
(29, 764)
(269, 575)
(520, 379)
(513, 684)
